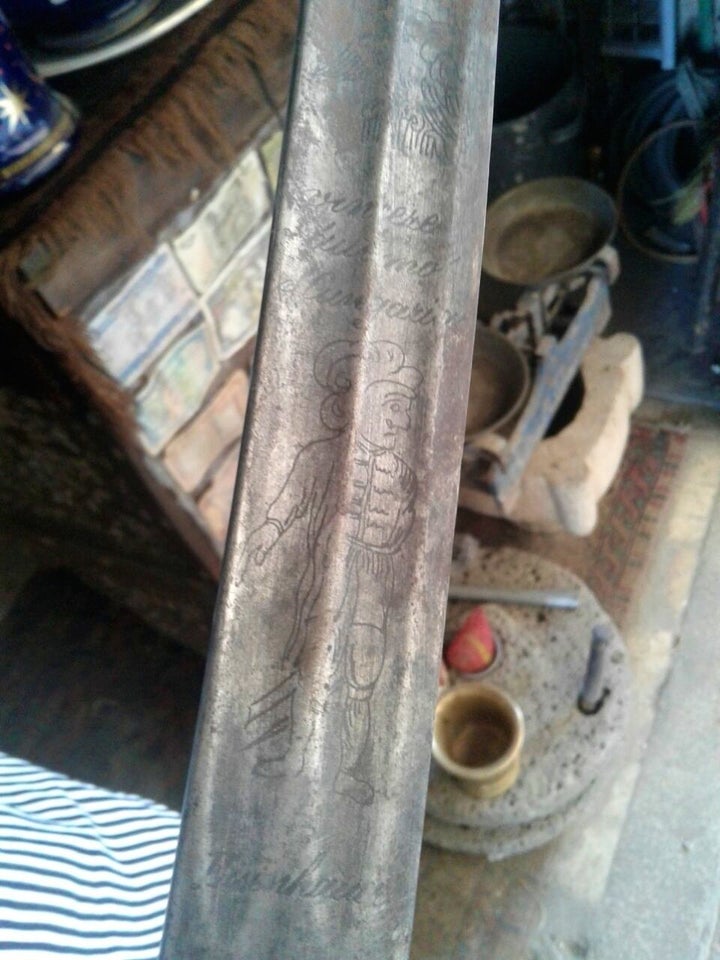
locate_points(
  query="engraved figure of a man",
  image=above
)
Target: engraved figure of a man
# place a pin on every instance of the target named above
(359, 488)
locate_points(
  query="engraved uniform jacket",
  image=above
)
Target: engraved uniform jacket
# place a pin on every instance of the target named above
(381, 499)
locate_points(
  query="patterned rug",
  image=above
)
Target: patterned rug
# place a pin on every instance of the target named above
(613, 558)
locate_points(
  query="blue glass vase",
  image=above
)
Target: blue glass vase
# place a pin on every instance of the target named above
(37, 125)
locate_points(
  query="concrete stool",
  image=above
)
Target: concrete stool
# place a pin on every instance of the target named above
(568, 473)
(567, 755)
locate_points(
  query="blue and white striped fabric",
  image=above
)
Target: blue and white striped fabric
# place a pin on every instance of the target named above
(84, 873)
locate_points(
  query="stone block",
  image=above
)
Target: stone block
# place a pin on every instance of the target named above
(568, 756)
(569, 473)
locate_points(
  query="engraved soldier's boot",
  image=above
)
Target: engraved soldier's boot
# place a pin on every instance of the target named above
(271, 731)
(352, 778)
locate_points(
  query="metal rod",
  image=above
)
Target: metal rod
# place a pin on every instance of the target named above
(303, 817)
(553, 599)
(593, 692)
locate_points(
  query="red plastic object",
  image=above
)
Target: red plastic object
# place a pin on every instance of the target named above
(472, 648)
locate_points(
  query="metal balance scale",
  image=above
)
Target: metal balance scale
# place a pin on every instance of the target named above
(547, 247)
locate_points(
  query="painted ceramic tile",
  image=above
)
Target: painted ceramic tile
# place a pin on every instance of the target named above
(190, 454)
(153, 306)
(240, 204)
(216, 503)
(270, 151)
(176, 388)
(234, 302)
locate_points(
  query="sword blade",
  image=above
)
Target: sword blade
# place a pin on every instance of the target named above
(303, 817)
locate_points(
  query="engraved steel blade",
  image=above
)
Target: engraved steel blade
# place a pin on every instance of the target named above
(303, 818)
